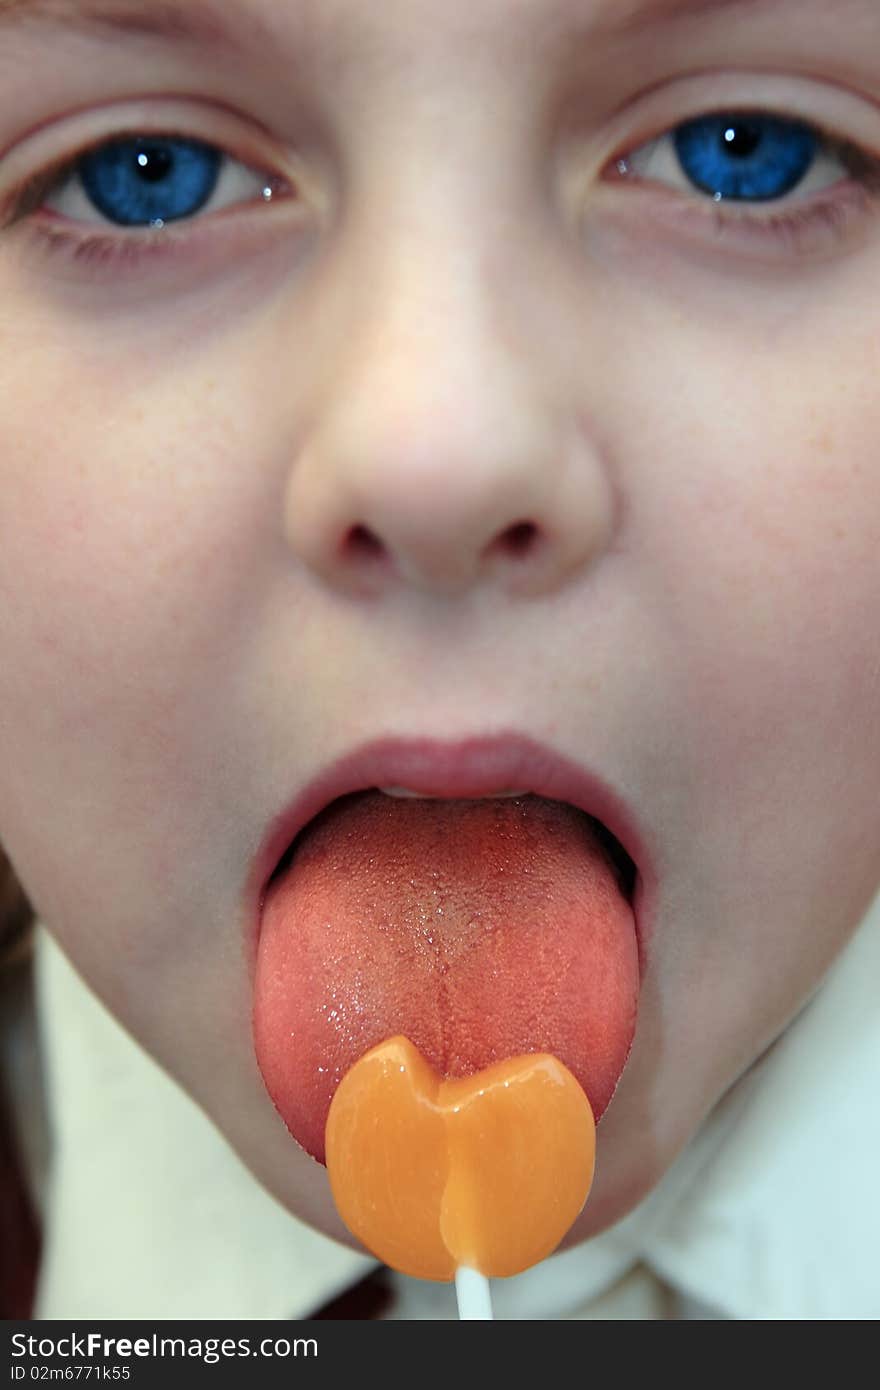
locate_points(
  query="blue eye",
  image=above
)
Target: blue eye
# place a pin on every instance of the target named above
(148, 181)
(746, 157)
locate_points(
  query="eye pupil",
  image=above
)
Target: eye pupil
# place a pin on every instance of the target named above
(154, 163)
(742, 139)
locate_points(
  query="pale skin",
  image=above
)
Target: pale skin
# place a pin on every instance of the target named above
(456, 322)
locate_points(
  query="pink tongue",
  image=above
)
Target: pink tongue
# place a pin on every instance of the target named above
(478, 929)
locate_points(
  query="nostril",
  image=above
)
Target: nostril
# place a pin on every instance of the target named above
(519, 539)
(361, 543)
(362, 546)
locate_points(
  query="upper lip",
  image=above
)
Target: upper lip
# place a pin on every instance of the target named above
(472, 767)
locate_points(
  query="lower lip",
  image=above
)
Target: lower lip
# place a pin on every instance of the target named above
(471, 768)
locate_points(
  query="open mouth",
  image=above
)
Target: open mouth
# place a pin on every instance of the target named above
(624, 867)
(620, 861)
(480, 927)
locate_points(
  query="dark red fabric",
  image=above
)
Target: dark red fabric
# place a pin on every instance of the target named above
(19, 1232)
(371, 1298)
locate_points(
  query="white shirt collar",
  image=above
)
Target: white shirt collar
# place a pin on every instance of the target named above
(771, 1211)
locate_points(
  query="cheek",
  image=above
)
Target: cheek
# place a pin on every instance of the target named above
(125, 499)
(127, 511)
(755, 514)
(755, 488)
(125, 526)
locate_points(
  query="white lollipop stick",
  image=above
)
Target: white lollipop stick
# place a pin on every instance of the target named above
(472, 1289)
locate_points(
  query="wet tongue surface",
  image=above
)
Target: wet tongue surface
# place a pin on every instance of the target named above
(480, 930)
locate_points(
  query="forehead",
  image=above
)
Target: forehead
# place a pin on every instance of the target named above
(305, 35)
(208, 17)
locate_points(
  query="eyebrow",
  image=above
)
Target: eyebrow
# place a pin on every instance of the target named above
(206, 22)
(210, 22)
(642, 14)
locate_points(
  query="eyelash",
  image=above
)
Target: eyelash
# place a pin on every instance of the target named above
(112, 250)
(792, 223)
(792, 226)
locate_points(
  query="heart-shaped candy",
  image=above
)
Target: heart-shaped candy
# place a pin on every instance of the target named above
(486, 1171)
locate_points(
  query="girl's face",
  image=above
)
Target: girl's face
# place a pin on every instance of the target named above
(491, 417)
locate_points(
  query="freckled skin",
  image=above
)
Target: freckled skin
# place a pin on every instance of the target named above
(457, 332)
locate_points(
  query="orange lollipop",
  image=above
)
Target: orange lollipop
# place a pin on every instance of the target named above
(485, 1172)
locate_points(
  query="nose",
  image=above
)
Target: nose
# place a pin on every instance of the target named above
(444, 452)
